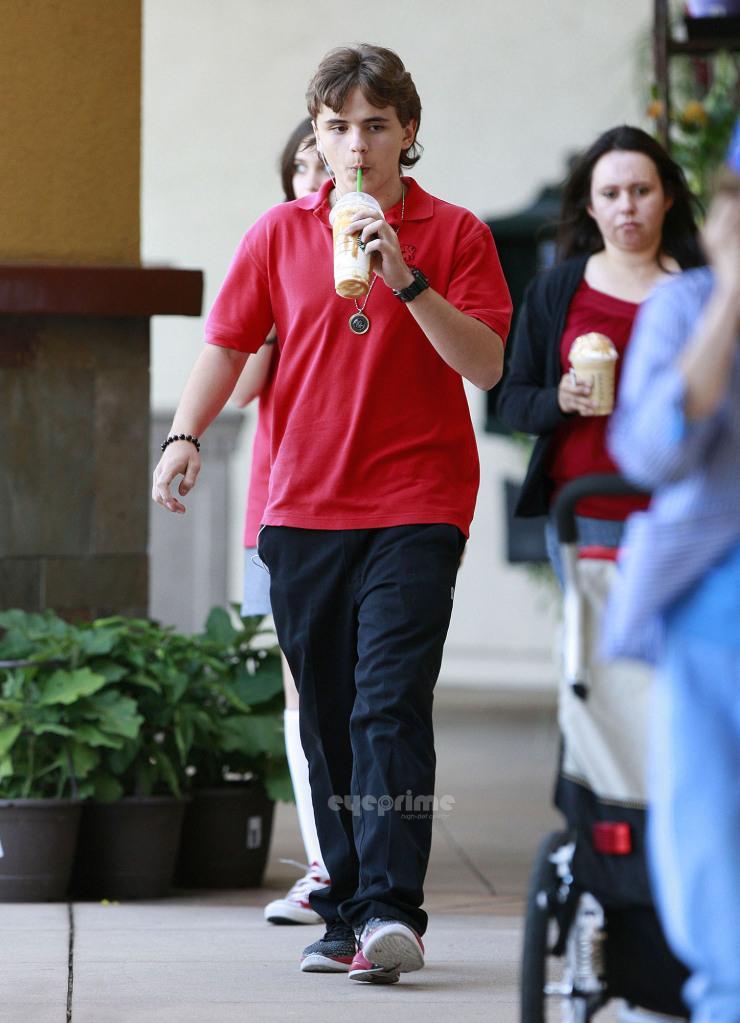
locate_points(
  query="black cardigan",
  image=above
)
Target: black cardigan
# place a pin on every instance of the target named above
(529, 395)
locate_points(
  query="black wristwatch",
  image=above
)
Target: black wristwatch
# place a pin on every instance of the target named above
(420, 283)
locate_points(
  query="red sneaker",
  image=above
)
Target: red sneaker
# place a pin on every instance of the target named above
(370, 973)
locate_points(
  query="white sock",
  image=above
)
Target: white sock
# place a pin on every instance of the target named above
(298, 766)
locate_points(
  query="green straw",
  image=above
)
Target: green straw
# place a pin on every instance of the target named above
(359, 179)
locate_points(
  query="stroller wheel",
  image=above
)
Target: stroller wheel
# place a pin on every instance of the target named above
(546, 987)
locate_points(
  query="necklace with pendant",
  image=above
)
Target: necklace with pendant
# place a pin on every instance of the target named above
(359, 323)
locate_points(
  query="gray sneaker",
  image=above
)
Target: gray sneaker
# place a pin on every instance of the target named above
(333, 953)
(392, 944)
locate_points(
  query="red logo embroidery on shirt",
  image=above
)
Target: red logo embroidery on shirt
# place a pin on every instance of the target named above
(409, 254)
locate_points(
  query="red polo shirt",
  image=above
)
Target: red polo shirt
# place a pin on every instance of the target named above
(367, 430)
(259, 471)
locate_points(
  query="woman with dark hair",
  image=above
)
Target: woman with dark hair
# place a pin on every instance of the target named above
(579, 231)
(301, 173)
(627, 226)
(301, 168)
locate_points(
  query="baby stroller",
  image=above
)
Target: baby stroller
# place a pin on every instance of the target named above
(591, 931)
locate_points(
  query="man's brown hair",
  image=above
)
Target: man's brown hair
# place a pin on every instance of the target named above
(381, 77)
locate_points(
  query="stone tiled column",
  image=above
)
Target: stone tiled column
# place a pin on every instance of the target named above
(74, 415)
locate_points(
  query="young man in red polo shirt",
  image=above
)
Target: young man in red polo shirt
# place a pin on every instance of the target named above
(374, 475)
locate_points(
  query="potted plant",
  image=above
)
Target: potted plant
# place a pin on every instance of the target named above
(134, 719)
(237, 765)
(130, 829)
(57, 715)
(210, 749)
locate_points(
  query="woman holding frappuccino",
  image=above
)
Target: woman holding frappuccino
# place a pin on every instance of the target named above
(627, 225)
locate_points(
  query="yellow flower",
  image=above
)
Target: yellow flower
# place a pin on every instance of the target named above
(655, 109)
(694, 115)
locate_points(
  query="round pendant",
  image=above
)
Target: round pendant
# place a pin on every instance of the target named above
(359, 323)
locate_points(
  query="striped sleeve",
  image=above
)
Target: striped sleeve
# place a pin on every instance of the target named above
(650, 437)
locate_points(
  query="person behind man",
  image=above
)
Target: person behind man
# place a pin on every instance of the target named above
(373, 484)
(302, 173)
(677, 603)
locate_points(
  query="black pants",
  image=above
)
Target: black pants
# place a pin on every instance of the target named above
(362, 616)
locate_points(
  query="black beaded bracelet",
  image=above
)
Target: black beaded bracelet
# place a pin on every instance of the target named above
(182, 436)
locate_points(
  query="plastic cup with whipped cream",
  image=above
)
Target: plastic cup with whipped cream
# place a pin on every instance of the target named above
(351, 262)
(594, 359)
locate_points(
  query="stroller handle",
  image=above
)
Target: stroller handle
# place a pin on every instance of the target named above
(601, 484)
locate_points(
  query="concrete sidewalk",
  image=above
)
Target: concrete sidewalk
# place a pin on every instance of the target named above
(210, 957)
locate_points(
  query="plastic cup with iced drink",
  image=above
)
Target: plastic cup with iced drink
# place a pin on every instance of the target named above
(351, 264)
(594, 359)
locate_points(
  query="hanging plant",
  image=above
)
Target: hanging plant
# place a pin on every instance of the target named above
(705, 94)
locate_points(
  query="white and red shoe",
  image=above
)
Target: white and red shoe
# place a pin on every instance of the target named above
(370, 973)
(295, 908)
(391, 944)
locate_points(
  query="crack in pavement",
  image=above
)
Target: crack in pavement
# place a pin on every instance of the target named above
(70, 959)
(488, 885)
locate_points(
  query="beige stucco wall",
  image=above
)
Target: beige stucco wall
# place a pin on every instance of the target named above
(70, 127)
(509, 90)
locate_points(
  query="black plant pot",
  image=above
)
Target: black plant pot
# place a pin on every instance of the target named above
(225, 837)
(128, 849)
(37, 848)
(726, 26)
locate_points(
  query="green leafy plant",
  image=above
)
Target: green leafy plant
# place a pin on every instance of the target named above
(57, 713)
(239, 732)
(156, 668)
(121, 706)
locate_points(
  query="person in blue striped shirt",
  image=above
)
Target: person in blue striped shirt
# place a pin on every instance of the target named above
(676, 431)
